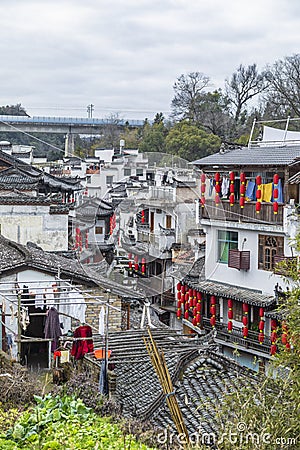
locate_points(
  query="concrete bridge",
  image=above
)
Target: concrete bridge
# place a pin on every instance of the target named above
(62, 125)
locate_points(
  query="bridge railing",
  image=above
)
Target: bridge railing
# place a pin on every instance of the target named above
(67, 120)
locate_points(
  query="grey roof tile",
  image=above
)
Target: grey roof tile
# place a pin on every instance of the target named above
(255, 156)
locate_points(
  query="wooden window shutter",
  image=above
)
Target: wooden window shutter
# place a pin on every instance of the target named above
(234, 259)
(245, 260)
(261, 250)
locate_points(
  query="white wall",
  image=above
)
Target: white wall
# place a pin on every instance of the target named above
(23, 223)
(262, 280)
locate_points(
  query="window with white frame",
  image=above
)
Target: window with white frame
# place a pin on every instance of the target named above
(227, 240)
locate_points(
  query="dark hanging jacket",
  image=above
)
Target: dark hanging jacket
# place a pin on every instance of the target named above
(52, 328)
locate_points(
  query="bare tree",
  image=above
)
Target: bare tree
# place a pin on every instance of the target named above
(244, 84)
(188, 89)
(283, 92)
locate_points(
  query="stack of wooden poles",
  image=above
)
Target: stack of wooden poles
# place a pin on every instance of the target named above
(159, 363)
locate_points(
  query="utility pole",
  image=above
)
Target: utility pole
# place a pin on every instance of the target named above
(90, 109)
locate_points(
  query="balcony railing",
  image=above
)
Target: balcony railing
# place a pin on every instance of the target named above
(237, 214)
(236, 337)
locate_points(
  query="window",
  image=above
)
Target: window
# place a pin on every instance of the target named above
(268, 247)
(139, 172)
(227, 240)
(237, 311)
(127, 172)
(99, 230)
(109, 180)
(168, 221)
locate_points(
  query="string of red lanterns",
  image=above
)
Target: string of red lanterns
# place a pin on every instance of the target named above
(242, 189)
(213, 311)
(261, 326)
(274, 326)
(230, 315)
(217, 188)
(275, 193)
(245, 320)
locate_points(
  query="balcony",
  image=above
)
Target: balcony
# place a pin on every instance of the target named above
(248, 214)
(236, 337)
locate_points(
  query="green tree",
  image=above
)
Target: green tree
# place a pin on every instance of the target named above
(153, 137)
(190, 142)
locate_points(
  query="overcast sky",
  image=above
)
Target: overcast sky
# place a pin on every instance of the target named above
(123, 56)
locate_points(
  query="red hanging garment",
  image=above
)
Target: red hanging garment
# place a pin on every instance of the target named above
(83, 346)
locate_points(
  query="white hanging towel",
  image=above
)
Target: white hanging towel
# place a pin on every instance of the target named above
(101, 321)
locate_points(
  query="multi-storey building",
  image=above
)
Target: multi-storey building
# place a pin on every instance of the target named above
(248, 209)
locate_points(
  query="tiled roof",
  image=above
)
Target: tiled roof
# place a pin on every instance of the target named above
(14, 257)
(201, 377)
(254, 156)
(240, 294)
(21, 175)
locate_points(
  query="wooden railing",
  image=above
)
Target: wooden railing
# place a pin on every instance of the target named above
(236, 336)
(237, 214)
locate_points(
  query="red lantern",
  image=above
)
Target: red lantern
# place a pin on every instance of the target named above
(190, 292)
(258, 180)
(186, 314)
(195, 301)
(231, 189)
(230, 314)
(195, 312)
(203, 188)
(179, 286)
(245, 308)
(243, 189)
(231, 199)
(199, 296)
(273, 337)
(213, 321)
(258, 194)
(275, 207)
(202, 200)
(261, 312)
(217, 176)
(203, 177)
(242, 177)
(288, 346)
(218, 188)
(284, 338)
(198, 318)
(187, 297)
(261, 325)
(230, 303)
(242, 202)
(198, 307)
(231, 176)
(273, 349)
(275, 194)
(245, 320)
(213, 309)
(178, 313)
(194, 321)
(229, 327)
(261, 338)
(245, 332)
(212, 300)
(179, 295)
(273, 324)
(276, 178)
(183, 289)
